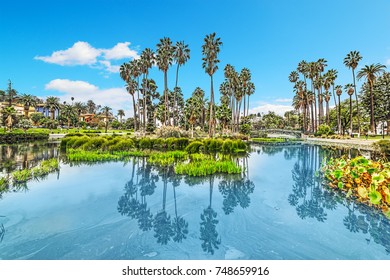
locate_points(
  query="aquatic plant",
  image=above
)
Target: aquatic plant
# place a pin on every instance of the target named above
(4, 184)
(167, 158)
(207, 167)
(365, 180)
(45, 167)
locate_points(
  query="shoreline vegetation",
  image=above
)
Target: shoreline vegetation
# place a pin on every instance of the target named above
(19, 178)
(363, 180)
(193, 157)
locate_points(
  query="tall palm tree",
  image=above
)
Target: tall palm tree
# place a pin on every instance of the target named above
(106, 111)
(80, 108)
(28, 101)
(181, 55)
(350, 90)
(245, 77)
(131, 87)
(320, 65)
(146, 62)
(250, 90)
(91, 107)
(339, 91)
(164, 59)
(351, 61)
(52, 104)
(210, 50)
(370, 73)
(327, 99)
(135, 71)
(293, 77)
(121, 114)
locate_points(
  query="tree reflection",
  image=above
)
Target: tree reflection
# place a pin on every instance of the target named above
(308, 197)
(2, 232)
(180, 226)
(208, 225)
(235, 191)
(162, 223)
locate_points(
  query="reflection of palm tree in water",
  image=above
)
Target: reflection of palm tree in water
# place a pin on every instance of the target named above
(162, 223)
(308, 196)
(180, 226)
(2, 232)
(208, 231)
(147, 186)
(235, 191)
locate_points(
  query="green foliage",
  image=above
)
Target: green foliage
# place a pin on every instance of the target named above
(359, 178)
(207, 167)
(20, 136)
(194, 147)
(167, 158)
(121, 145)
(95, 143)
(324, 129)
(45, 167)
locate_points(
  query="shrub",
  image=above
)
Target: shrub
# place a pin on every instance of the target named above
(323, 129)
(194, 147)
(383, 146)
(95, 144)
(122, 145)
(171, 131)
(79, 141)
(145, 143)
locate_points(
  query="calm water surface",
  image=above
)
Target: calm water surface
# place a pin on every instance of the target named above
(277, 209)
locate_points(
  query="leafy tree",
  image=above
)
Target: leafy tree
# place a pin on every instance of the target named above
(52, 104)
(28, 101)
(36, 118)
(68, 111)
(370, 73)
(106, 111)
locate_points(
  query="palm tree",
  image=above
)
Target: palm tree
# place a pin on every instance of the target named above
(28, 101)
(135, 72)
(106, 112)
(210, 51)
(131, 87)
(181, 55)
(164, 59)
(9, 114)
(121, 114)
(52, 104)
(250, 90)
(327, 99)
(146, 61)
(351, 61)
(350, 90)
(370, 73)
(245, 76)
(293, 77)
(339, 91)
(79, 108)
(68, 111)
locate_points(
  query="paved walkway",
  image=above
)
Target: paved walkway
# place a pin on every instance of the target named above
(354, 142)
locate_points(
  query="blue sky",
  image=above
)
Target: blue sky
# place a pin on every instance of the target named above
(72, 48)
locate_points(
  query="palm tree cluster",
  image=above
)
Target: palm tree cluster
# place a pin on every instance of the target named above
(131, 72)
(195, 111)
(312, 86)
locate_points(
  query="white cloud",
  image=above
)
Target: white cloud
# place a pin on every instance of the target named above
(116, 98)
(388, 62)
(265, 108)
(119, 51)
(283, 100)
(81, 53)
(110, 68)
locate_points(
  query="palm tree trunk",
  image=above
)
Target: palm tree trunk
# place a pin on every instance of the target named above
(350, 113)
(211, 121)
(244, 105)
(372, 109)
(312, 118)
(357, 101)
(339, 116)
(166, 113)
(247, 109)
(327, 112)
(135, 115)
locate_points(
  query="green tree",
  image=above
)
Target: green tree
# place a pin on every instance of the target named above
(52, 104)
(28, 101)
(11, 94)
(370, 73)
(106, 111)
(69, 112)
(9, 117)
(210, 50)
(121, 114)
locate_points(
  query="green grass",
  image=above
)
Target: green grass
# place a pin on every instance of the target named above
(207, 167)
(79, 155)
(167, 158)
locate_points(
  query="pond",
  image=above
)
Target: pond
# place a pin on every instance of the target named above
(276, 209)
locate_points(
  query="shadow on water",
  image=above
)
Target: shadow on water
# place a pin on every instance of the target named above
(312, 199)
(167, 227)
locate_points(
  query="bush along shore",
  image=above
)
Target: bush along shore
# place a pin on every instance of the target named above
(363, 180)
(191, 157)
(20, 177)
(19, 137)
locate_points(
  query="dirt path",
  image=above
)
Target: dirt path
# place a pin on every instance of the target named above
(353, 143)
